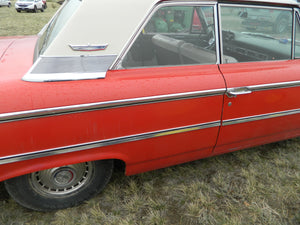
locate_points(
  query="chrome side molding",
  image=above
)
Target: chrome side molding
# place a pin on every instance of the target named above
(45, 112)
(260, 117)
(106, 142)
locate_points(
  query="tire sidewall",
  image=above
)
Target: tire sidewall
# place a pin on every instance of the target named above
(21, 189)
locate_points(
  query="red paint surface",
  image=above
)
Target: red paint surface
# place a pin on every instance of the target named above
(51, 132)
(261, 102)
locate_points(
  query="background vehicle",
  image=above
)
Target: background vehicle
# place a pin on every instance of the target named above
(45, 4)
(29, 5)
(5, 3)
(256, 18)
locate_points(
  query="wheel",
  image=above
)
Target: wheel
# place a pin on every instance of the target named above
(18, 11)
(60, 187)
(42, 9)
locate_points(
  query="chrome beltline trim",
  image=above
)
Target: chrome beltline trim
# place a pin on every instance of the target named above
(271, 86)
(260, 117)
(30, 114)
(106, 142)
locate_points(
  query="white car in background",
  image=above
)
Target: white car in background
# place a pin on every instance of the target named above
(29, 5)
(5, 3)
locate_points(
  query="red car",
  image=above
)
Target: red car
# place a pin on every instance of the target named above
(149, 86)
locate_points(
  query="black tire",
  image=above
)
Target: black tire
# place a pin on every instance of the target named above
(60, 187)
(42, 9)
(18, 11)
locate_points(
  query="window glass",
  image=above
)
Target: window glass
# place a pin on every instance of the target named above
(177, 35)
(256, 34)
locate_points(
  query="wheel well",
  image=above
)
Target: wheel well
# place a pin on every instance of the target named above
(119, 165)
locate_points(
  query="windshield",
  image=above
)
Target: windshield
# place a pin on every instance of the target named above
(57, 23)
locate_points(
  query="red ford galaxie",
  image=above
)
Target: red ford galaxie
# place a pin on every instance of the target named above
(146, 83)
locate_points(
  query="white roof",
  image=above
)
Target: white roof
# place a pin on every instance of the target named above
(112, 22)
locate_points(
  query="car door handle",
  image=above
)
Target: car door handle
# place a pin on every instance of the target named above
(233, 92)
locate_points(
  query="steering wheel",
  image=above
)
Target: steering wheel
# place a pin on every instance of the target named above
(211, 37)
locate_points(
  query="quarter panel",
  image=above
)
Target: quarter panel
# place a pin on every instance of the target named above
(60, 131)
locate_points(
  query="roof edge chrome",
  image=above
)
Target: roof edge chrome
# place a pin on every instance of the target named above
(68, 68)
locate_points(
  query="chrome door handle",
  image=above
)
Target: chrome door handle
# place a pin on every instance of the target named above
(233, 92)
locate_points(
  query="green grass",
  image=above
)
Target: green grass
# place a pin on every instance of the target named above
(255, 186)
(13, 23)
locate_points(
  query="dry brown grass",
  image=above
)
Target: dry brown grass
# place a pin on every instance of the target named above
(256, 186)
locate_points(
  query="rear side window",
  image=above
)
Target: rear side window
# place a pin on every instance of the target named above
(256, 33)
(175, 35)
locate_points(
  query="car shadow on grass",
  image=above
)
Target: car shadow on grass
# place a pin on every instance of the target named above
(3, 193)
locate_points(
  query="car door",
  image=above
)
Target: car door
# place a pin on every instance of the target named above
(173, 66)
(262, 99)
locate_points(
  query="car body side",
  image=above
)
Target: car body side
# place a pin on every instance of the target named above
(110, 118)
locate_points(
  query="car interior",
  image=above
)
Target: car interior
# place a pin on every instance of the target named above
(186, 36)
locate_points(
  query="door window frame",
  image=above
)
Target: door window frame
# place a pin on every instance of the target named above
(291, 9)
(217, 23)
(118, 62)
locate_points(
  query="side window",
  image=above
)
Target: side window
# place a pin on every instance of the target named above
(175, 35)
(256, 34)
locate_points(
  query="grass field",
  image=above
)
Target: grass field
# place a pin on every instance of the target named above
(255, 186)
(13, 23)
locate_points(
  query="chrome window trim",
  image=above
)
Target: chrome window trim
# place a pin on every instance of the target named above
(296, 22)
(260, 117)
(218, 34)
(284, 8)
(221, 52)
(117, 64)
(106, 142)
(38, 113)
(294, 34)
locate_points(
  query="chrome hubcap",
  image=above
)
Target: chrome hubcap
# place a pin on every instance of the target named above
(61, 180)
